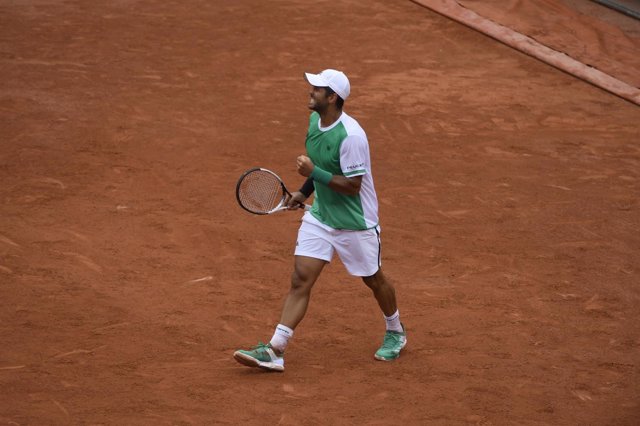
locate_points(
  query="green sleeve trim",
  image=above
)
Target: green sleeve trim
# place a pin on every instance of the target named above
(355, 172)
(321, 175)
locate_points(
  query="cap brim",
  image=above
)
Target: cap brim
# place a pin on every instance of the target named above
(316, 80)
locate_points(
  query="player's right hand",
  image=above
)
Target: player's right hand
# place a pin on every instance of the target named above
(304, 165)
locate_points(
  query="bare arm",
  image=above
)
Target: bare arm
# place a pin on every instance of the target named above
(345, 185)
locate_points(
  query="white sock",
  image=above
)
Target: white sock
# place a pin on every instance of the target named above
(281, 337)
(393, 322)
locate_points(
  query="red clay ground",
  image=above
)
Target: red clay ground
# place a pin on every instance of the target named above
(128, 275)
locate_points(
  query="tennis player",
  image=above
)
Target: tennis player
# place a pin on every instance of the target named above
(342, 220)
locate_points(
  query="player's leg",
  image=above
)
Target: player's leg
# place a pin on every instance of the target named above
(383, 291)
(271, 356)
(395, 337)
(305, 273)
(360, 252)
(313, 252)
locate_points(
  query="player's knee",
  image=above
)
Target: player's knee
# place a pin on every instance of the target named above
(300, 282)
(371, 282)
(377, 282)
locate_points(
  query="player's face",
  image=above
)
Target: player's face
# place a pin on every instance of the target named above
(318, 99)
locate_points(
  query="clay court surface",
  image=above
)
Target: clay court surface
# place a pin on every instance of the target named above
(128, 274)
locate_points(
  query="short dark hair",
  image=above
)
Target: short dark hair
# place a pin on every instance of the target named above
(339, 102)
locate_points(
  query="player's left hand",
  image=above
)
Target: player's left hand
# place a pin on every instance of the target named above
(305, 165)
(296, 200)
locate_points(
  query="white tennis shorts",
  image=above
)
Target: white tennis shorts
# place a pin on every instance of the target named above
(359, 251)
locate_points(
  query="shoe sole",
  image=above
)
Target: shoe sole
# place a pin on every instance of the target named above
(381, 358)
(252, 362)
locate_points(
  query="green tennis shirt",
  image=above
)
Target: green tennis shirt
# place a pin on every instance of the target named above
(342, 149)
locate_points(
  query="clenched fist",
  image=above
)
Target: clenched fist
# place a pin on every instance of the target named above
(305, 165)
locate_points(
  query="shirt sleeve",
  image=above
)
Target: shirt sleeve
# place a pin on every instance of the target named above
(354, 155)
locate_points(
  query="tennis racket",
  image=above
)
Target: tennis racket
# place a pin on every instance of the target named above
(260, 191)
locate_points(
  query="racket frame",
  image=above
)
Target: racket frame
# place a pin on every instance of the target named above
(285, 192)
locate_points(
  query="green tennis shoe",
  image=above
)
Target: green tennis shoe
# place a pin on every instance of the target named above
(261, 356)
(393, 343)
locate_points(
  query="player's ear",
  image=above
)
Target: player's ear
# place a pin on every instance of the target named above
(332, 98)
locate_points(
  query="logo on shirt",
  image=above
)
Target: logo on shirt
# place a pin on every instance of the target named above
(355, 166)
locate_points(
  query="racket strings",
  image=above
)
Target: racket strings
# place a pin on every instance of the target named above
(260, 192)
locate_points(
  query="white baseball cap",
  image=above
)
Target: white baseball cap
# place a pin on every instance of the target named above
(334, 79)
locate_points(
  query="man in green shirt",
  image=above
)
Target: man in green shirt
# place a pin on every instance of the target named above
(343, 219)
